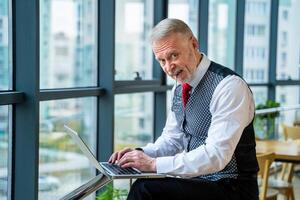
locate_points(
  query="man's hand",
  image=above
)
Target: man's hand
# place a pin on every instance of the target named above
(138, 160)
(115, 157)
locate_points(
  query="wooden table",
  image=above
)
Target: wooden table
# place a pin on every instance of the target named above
(284, 151)
(297, 123)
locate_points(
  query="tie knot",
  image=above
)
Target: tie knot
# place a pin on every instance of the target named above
(186, 89)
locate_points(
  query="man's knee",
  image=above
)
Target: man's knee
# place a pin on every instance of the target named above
(139, 189)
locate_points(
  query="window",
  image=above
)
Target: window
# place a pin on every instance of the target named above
(256, 30)
(288, 41)
(284, 38)
(256, 7)
(62, 165)
(221, 32)
(186, 11)
(284, 97)
(5, 128)
(133, 120)
(133, 52)
(256, 43)
(64, 40)
(285, 15)
(260, 94)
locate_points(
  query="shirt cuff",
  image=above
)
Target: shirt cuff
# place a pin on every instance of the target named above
(164, 165)
(148, 150)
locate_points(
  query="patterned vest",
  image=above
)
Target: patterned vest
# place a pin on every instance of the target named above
(195, 121)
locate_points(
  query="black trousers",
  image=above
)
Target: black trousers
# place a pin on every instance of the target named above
(185, 189)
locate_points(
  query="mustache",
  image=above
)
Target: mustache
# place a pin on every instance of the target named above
(176, 72)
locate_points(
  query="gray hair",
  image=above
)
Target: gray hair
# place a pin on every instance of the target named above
(167, 27)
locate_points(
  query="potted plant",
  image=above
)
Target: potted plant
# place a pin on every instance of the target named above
(264, 124)
(111, 193)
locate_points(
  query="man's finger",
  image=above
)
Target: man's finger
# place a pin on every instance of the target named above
(113, 158)
(121, 153)
(125, 159)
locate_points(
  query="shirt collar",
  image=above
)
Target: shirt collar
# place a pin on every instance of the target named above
(200, 71)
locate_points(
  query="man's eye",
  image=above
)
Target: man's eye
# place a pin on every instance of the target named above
(174, 55)
(162, 62)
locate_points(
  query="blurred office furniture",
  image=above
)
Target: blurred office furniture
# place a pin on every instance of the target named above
(264, 161)
(283, 183)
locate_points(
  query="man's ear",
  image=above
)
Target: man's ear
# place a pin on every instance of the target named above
(195, 43)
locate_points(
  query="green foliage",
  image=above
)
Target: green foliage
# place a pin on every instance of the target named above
(264, 124)
(268, 104)
(110, 193)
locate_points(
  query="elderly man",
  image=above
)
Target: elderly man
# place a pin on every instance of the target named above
(208, 140)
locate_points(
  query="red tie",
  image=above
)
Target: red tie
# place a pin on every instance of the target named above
(186, 89)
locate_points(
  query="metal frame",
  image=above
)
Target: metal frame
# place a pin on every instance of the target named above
(273, 49)
(54, 94)
(26, 95)
(239, 36)
(11, 97)
(203, 25)
(105, 112)
(160, 104)
(25, 140)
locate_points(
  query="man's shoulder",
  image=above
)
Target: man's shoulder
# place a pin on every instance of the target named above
(221, 70)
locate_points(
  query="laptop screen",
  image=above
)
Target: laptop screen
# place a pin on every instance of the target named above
(84, 148)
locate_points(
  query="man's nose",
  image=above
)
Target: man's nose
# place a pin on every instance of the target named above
(170, 67)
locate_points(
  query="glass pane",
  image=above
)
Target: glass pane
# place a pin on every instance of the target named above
(221, 31)
(133, 124)
(134, 20)
(5, 47)
(260, 94)
(62, 166)
(187, 11)
(288, 96)
(288, 44)
(256, 41)
(133, 120)
(4, 151)
(68, 43)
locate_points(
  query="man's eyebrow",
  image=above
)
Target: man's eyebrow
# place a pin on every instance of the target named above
(168, 54)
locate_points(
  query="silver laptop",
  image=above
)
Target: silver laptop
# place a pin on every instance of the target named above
(111, 170)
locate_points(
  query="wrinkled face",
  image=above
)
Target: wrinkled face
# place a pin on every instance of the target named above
(178, 56)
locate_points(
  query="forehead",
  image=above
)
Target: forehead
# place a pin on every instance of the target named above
(170, 43)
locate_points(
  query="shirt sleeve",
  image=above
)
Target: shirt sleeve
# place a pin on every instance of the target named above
(232, 109)
(171, 140)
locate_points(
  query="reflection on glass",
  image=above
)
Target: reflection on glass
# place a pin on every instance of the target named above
(4, 151)
(5, 47)
(288, 96)
(187, 11)
(260, 94)
(288, 40)
(256, 41)
(68, 42)
(133, 120)
(133, 124)
(221, 31)
(62, 166)
(134, 20)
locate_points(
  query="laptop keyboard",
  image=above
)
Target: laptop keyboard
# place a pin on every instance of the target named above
(116, 169)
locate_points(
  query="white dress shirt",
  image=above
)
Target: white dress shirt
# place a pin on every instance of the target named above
(232, 109)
